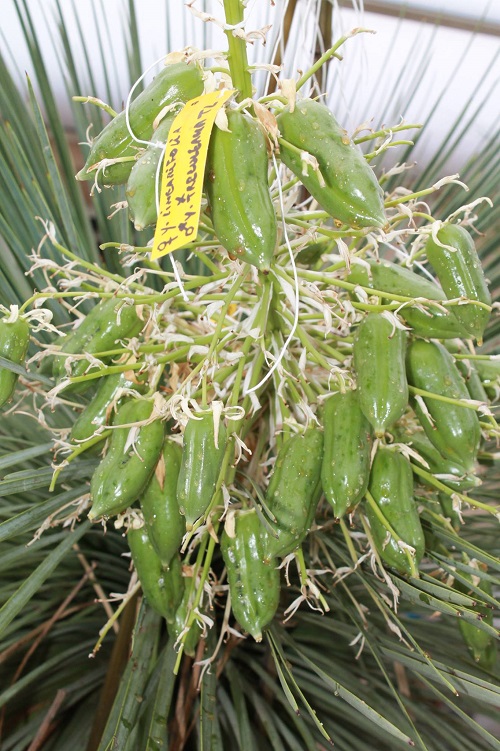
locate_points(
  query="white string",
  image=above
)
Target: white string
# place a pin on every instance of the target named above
(129, 100)
(296, 288)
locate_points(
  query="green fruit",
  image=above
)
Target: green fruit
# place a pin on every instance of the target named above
(489, 370)
(448, 471)
(294, 491)
(254, 584)
(166, 526)
(175, 83)
(482, 646)
(238, 193)
(200, 466)
(346, 458)
(386, 276)
(446, 503)
(379, 363)
(454, 429)
(391, 485)
(472, 380)
(163, 588)
(141, 185)
(460, 273)
(396, 280)
(177, 627)
(312, 252)
(97, 413)
(489, 373)
(14, 340)
(349, 191)
(122, 475)
(107, 323)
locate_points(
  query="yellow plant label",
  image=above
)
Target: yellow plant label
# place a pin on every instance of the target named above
(183, 170)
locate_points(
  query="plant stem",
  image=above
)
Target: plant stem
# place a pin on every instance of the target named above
(431, 480)
(332, 52)
(237, 58)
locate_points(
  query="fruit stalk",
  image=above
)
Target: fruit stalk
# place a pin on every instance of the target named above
(237, 58)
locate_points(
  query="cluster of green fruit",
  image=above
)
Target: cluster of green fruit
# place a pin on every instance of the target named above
(412, 396)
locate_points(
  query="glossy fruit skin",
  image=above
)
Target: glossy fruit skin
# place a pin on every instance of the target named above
(455, 432)
(176, 628)
(200, 467)
(121, 477)
(162, 588)
(14, 340)
(461, 275)
(351, 194)
(482, 646)
(346, 457)
(394, 279)
(177, 82)
(446, 503)
(489, 370)
(237, 188)
(106, 323)
(391, 485)
(457, 478)
(96, 414)
(294, 491)
(312, 252)
(254, 584)
(472, 380)
(160, 507)
(379, 363)
(489, 374)
(141, 185)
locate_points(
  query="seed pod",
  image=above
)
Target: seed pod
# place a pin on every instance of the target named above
(122, 475)
(177, 627)
(14, 340)
(379, 363)
(448, 471)
(106, 323)
(166, 526)
(348, 190)
(472, 380)
(312, 252)
(97, 413)
(254, 584)
(461, 275)
(489, 375)
(482, 646)
(294, 491)
(238, 193)
(200, 466)
(391, 485)
(454, 429)
(393, 278)
(446, 503)
(163, 588)
(141, 185)
(175, 83)
(489, 370)
(346, 458)
(396, 280)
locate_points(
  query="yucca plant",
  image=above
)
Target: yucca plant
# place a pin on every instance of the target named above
(362, 651)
